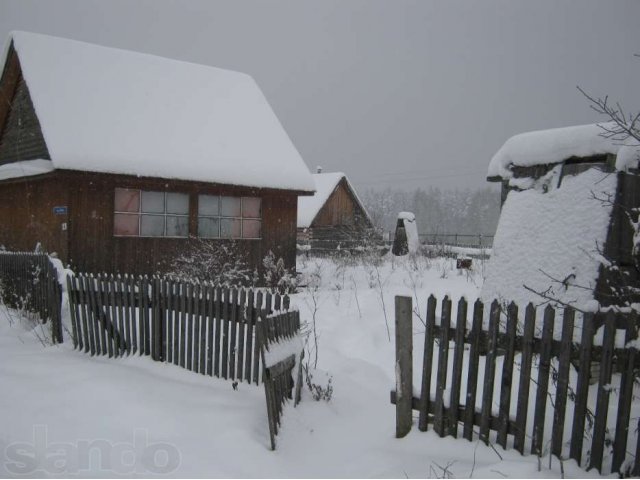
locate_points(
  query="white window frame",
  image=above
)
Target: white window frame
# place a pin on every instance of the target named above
(221, 217)
(140, 214)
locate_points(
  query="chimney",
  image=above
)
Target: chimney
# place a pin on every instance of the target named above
(318, 169)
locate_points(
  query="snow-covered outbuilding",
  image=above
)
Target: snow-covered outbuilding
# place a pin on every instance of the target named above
(564, 233)
(334, 217)
(113, 159)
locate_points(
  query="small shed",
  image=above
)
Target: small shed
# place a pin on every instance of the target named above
(115, 159)
(566, 195)
(334, 217)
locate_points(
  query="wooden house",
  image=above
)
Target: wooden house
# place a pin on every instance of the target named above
(334, 217)
(565, 233)
(115, 159)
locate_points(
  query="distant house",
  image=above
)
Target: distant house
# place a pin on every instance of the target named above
(114, 159)
(566, 197)
(334, 217)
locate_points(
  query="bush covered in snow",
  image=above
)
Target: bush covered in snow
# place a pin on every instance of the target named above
(276, 276)
(218, 262)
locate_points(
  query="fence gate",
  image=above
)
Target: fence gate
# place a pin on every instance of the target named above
(515, 361)
(282, 353)
(230, 333)
(205, 328)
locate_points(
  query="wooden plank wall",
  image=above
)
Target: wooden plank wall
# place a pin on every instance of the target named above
(21, 138)
(340, 209)
(91, 226)
(27, 216)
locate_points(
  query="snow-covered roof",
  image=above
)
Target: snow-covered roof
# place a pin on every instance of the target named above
(545, 239)
(115, 111)
(556, 145)
(325, 184)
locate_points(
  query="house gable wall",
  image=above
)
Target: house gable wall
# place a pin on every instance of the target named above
(21, 136)
(341, 209)
(340, 223)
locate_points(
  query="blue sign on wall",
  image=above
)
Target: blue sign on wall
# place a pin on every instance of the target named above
(60, 210)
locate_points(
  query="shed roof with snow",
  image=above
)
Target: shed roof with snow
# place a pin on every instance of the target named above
(545, 147)
(325, 185)
(115, 111)
(555, 228)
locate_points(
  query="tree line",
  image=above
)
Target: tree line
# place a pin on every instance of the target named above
(437, 211)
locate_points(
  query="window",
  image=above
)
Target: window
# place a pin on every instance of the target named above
(229, 217)
(139, 213)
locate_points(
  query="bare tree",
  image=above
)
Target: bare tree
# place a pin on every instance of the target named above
(621, 125)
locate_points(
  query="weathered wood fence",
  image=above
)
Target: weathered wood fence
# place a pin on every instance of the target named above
(208, 329)
(280, 380)
(29, 281)
(457, 240)
(595, 434)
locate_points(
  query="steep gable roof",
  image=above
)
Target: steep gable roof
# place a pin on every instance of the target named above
(325, 183)
(115, 111)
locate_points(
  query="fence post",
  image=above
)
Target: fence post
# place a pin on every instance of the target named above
(55, 304)
(157, 314)
(404, 366)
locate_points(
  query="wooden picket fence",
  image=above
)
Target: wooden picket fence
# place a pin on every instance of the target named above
(204, 328)
(279, 383)
(29, 281)
(517, 343)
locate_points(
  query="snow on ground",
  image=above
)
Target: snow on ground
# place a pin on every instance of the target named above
(199, 426)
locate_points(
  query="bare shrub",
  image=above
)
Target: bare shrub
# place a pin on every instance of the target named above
(319, 384)
(276, 276)
(220, 262)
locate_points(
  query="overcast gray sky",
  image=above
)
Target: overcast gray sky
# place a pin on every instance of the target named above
(394, 93)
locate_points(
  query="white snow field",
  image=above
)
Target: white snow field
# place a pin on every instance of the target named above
(142, 418)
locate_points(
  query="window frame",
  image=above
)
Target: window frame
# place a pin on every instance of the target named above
(220, 217)
(140, 213)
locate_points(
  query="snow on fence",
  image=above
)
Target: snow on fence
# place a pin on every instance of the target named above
(204, 328)
(538, 416)
(29, 281)
(281, 352)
